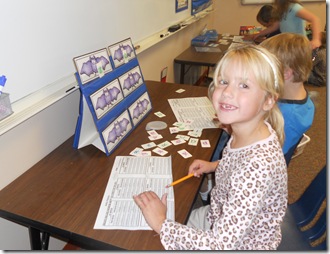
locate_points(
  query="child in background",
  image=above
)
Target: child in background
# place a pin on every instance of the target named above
(318, 76)
(249, 199)
(291, 17)
(294, 51)
(266, 19)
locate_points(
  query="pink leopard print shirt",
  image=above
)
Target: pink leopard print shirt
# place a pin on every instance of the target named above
(248, 202)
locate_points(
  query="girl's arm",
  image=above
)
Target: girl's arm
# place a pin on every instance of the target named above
(304, 14)
(154, 209)
(199, 167)
(237, 212)
(275, 26)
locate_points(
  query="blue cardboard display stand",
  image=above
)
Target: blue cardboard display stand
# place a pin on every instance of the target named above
(113, 100)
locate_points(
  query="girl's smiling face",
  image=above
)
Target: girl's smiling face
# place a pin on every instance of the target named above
(237, 97)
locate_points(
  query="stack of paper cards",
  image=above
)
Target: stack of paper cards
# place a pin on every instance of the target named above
(178, 141)
(148, 145)
(205, 143)
(159, 151)
(164, 144)
(196, 133)
(160, 114)
(153, 135)
(184, 153)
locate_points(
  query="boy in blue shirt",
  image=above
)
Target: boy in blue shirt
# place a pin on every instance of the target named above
(294, 52)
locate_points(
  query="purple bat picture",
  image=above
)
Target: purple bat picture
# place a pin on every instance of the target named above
(136, 77)
(131, 80)
(140, 108)
(89, 67)
(118, 55)
(107, 98)
(117, 131)
(101, 102)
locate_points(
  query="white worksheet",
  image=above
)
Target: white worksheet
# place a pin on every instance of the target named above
(198, 110)
(238, 38)
(129, 176)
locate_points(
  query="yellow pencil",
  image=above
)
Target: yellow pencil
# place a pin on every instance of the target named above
(180, 180)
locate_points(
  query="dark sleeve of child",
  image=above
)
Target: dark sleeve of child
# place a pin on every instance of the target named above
(318, 76)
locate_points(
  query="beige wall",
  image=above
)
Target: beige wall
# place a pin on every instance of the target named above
(230, 14)
(162, 54)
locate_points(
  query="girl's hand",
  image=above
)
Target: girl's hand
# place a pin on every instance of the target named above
(248, 37)
(153, 209)
(199, 167)
(255, 36)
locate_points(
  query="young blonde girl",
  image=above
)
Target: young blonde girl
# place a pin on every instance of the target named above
(290, 17)
(249, 199)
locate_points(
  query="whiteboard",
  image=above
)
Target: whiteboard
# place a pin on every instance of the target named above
(271, 1)
(39, 38)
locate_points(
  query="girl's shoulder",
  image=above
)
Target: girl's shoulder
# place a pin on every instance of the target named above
(264, 153)
(270, 141)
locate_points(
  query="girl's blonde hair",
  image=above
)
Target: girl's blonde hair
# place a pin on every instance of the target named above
(294, 52)
(268, 72)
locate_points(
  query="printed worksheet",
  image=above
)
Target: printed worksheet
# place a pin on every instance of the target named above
(130, 176)
(238, 38)
(198, 110)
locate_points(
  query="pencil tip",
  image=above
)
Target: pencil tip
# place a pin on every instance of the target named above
(167, 186)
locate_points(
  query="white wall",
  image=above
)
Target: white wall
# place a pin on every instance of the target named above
(35, 138)
(24, 146)
(162, 54)
(49, 34)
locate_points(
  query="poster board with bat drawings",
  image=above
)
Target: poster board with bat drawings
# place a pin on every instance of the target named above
(114, 98)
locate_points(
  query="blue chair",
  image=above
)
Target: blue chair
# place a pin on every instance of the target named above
(222, 142)
(217, 155)
(306, 207)
(301, 213)
(290, 152)
(318, 229)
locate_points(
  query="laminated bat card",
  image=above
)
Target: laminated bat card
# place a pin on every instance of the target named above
(114, 97)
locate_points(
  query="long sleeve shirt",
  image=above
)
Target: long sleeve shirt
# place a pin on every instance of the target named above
(248, 202)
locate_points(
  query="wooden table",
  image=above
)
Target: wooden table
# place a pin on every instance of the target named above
(191, 57)
(61, 195)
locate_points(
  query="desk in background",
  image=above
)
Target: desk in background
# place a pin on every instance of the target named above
(61, 195)
(191, 57)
